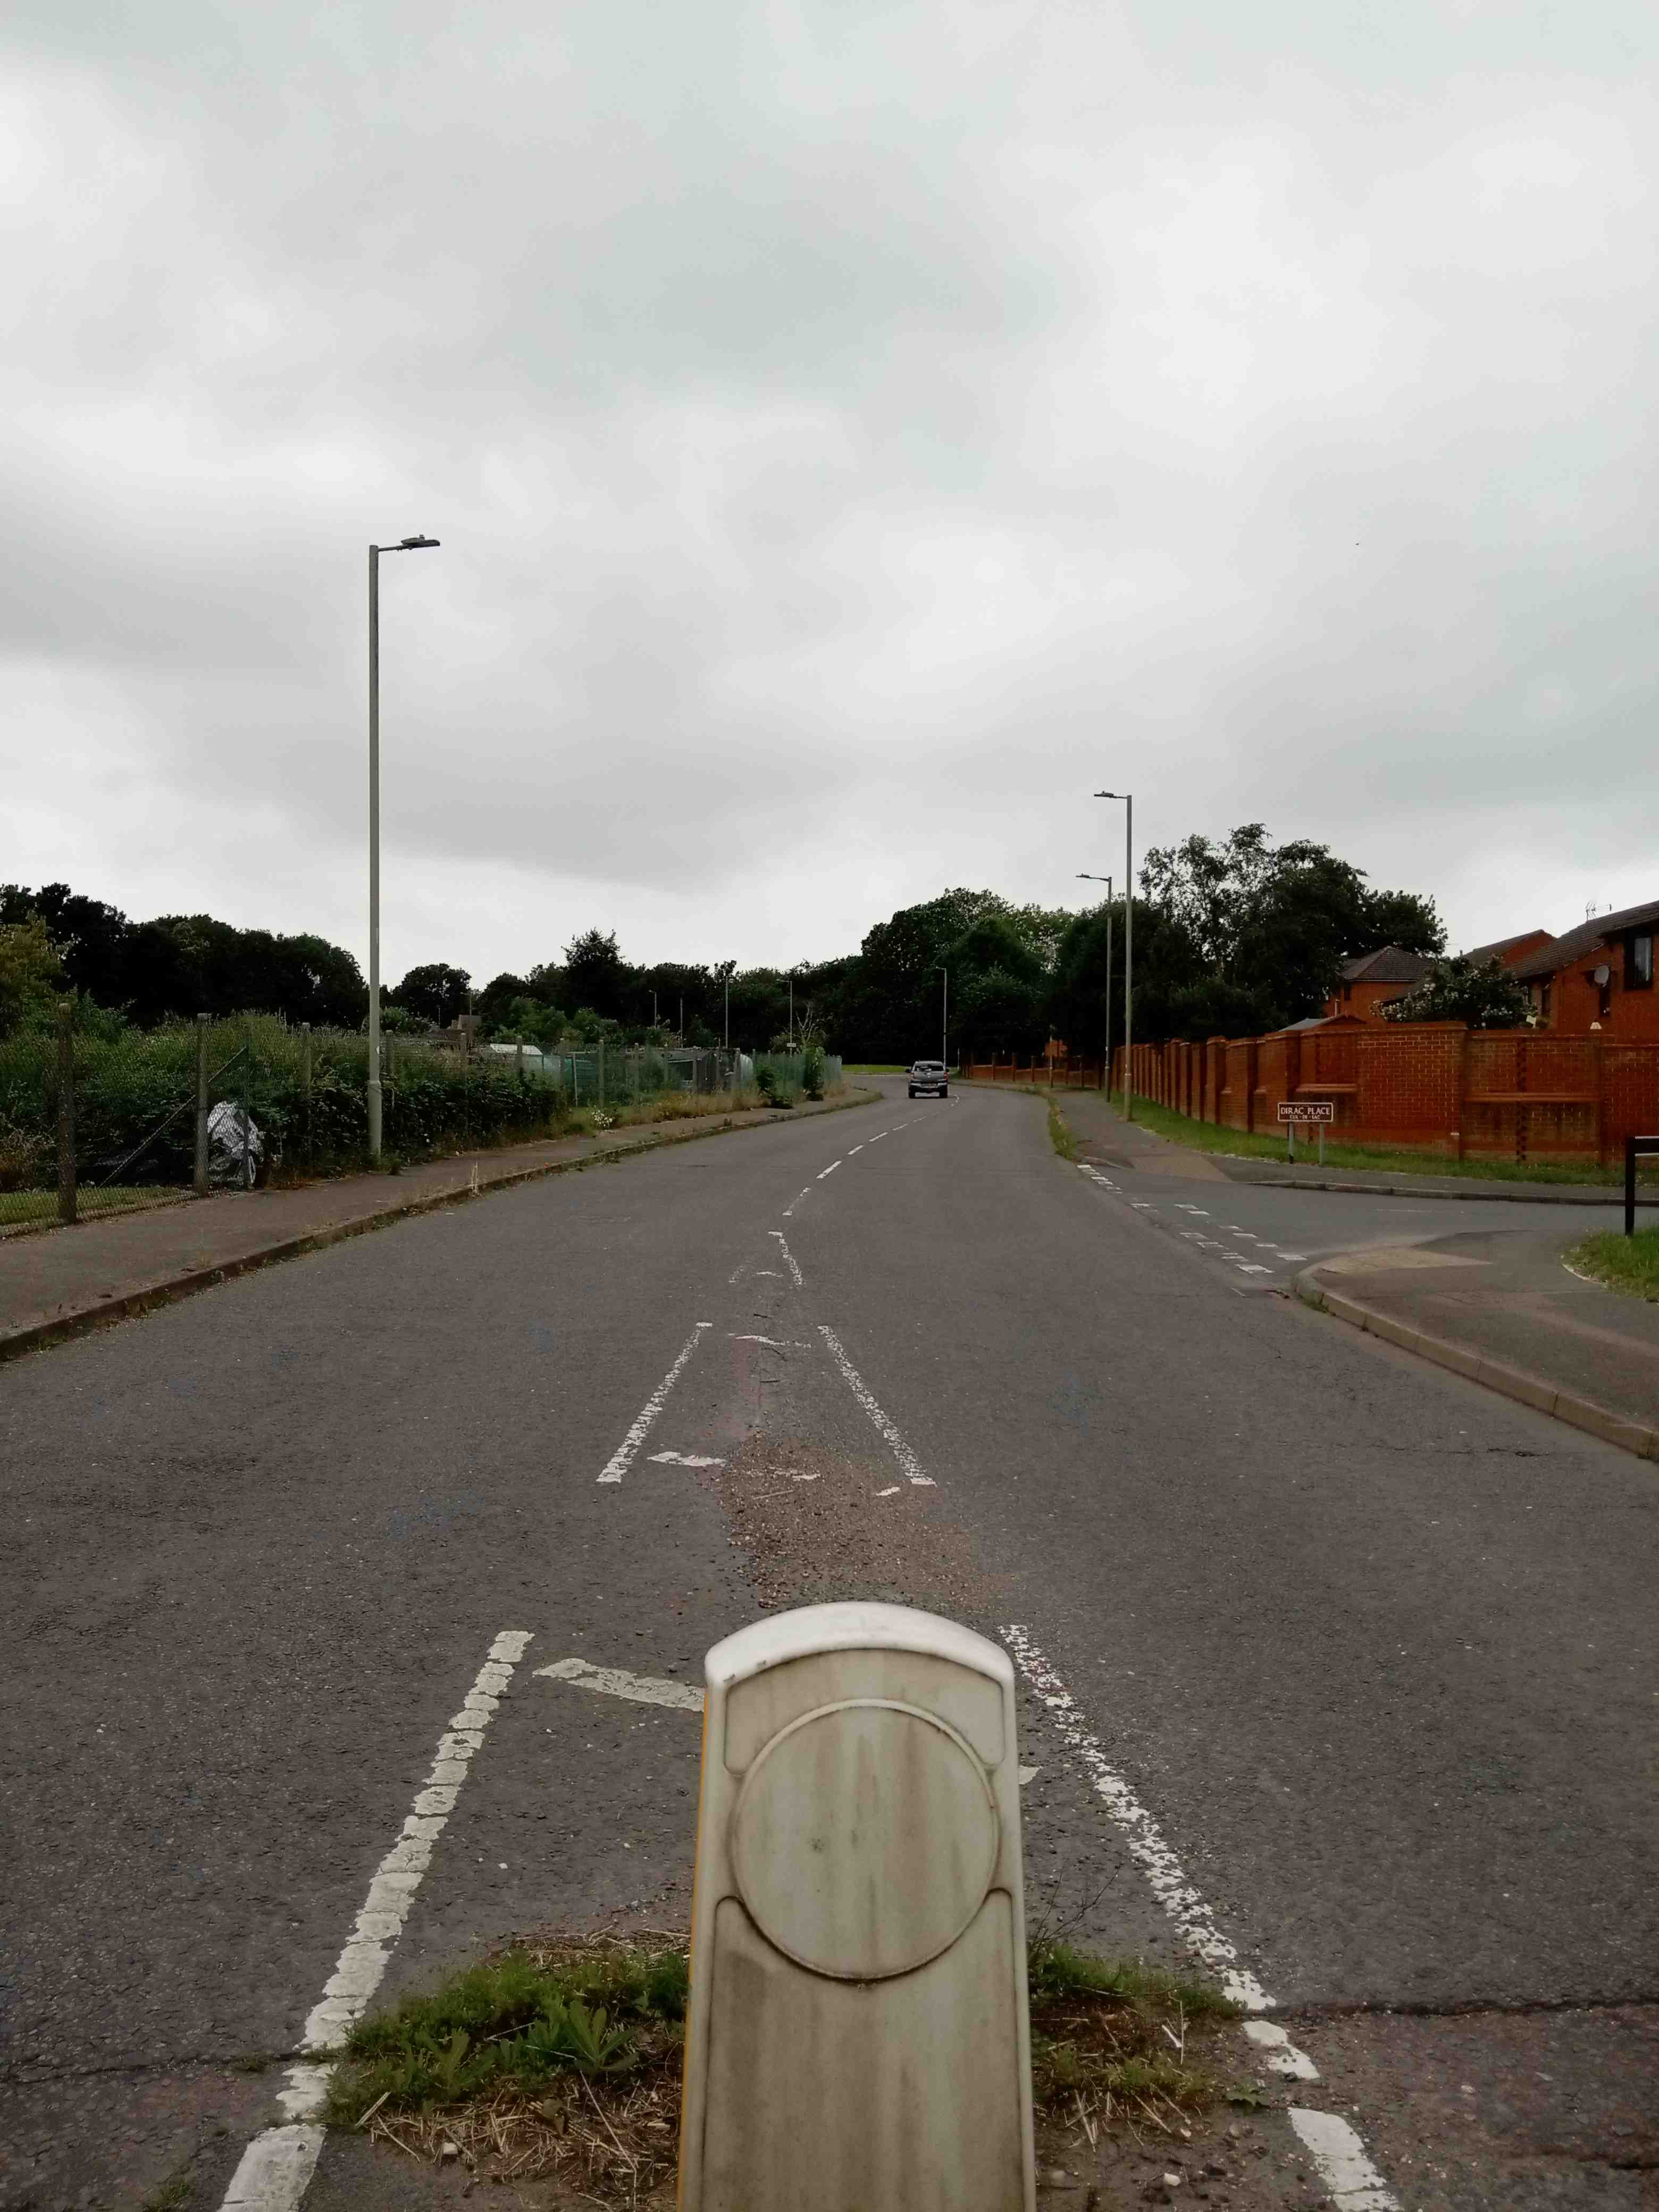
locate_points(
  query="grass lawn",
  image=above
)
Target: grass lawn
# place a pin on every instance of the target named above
(1623, 1263)
(21, 1211)
(1256, 1145)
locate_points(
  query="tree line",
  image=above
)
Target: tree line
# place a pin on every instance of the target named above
(1233, 936)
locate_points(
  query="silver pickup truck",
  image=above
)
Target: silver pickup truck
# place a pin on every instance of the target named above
(930, 1075)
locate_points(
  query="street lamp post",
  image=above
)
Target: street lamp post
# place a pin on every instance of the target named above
(404, 545)
(1128, 799)
(945, 1017)
(1084, 877)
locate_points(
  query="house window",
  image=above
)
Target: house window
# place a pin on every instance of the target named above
(1639, 962)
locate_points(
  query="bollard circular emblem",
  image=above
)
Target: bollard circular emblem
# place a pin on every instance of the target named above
(834, 1820)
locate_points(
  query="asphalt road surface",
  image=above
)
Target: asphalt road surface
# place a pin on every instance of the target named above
(1364, 1653)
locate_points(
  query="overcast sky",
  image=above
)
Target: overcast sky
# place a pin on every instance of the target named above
(856, 433)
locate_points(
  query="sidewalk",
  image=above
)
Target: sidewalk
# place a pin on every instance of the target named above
(1503, 1311)
(65, 1280)
(1105, 1136)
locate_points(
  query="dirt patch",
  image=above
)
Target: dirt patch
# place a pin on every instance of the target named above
(817, 1527)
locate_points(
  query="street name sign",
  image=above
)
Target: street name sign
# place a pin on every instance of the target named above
(858, 2031)
(1307, 1109)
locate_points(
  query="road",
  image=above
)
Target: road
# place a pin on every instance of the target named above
(1372, 1650)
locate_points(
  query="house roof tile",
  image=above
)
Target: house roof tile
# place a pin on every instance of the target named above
(1551, 959)
(1392, 964)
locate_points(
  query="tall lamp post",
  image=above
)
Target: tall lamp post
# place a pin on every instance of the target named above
(404, 545)
(1084, 877)
(1128, 799)
(945, 1017)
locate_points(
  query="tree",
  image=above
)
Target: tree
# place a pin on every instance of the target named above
(1267, 928)
(436, 992)
(92, 939)
(31, 973)
(596, 975)
(1487, 998)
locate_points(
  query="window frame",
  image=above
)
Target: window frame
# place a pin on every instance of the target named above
(1634, 979)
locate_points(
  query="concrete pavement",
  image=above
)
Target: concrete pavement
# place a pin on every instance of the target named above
(1336, 1669)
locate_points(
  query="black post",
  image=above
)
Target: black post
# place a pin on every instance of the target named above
(1630, 1186)
(66, 1111)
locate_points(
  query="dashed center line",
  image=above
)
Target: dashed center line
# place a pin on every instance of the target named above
(829, 1170)
(788, 1258)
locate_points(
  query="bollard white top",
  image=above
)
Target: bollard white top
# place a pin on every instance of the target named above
(852, 1627)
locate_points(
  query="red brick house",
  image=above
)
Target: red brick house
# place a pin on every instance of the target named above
(1510, 951)
(1366, 984)
(1598, 977)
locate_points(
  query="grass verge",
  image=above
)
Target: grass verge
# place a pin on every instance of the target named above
(1629, 1264)
(1060, 1133)
(563, 2059)
(1256, 1145)
(22, 1210)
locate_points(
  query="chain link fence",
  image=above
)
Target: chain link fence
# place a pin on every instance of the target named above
(97, 1117)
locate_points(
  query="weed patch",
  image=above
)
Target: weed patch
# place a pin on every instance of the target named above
(563, 2060)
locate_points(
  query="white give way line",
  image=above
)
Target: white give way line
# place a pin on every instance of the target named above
(617, 1464)
(277, 2167)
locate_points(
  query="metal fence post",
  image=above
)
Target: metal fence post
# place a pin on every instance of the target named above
(199, 1180)
(66, 1111)
(305, 1088)
(602, 1074)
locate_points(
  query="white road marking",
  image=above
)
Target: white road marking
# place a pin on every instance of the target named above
(856, 1148)
(777, 1343)
(1251, 1267)
(1093, 1173)
(1292, 1255)
(891, 1491)
(1169, 1885)
(909, 1468)
(788, 1258)
(617, 1466)
(683, 1459)
(617, 1682)
(796, 1200)
(276, 2169)
(1347, 2171)
(1028, 1774)
(829, 1170)
(1286, 2059)
(1143, 1205)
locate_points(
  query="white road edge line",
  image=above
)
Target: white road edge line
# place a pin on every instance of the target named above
(1169, 1885)
(1339, 2154)
(617, 1682)
(788, 1259)
(683, 1459)
(1295, 2065)
(829, 1170)
(796, 1200)
(909, 1466)
(276, 2169)
(617, 1466)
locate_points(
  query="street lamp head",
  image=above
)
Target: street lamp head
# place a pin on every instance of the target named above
(414, 544)
(1111, 794)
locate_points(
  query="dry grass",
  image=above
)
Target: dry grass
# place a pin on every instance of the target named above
(461, 2075)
